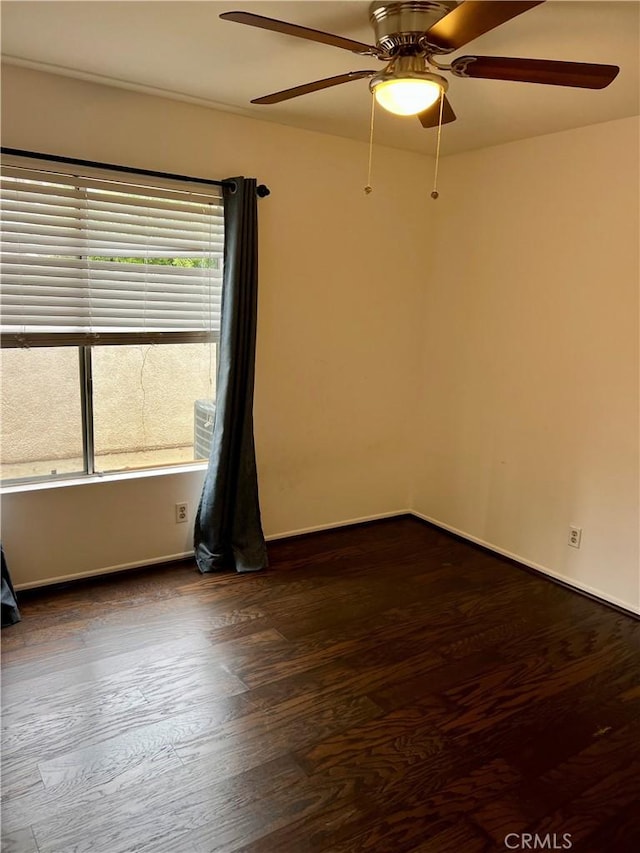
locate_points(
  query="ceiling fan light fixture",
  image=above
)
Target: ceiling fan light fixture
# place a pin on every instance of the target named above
(406, 96)
(406, 87)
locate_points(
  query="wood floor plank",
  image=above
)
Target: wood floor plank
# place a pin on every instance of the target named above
(129, 668)
(148, 623)
(151, 626)
(110, 658)
(111, 751)
(27, 733)
(20, 775)
(21, 841)
(75, 793)
(604, 756)
(398, 833)
(312, 832)
(584, 814)
(96, 764)
(292, 802)
(462, 837)
(543, 735)
(386, 688)
(299, 656)
(257, 738)
(353, 675)
(512, 812)
(573, 725)
(392, 767)
(85, 599)
(122, 823)
(399, 726)
(621, 832)
(30, 653)
(404, 818)
(508, 687)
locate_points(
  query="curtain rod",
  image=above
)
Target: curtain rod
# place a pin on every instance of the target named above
(261, 189)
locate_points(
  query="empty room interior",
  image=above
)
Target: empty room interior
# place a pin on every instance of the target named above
(320, 426)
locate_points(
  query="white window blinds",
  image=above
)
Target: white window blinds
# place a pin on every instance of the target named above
(93, 258)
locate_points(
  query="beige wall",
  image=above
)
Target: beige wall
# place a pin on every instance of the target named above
(337, 340)
(530, 362)
(480, 367)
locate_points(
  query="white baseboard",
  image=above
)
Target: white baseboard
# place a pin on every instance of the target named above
(171, 558)
(272, 537)
(92, 573)
(332, 525)
(545, 570)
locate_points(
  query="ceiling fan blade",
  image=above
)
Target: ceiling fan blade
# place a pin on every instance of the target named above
(301, 32)
(306, 88)
(473, 18)
(431, 117)
(581, 75)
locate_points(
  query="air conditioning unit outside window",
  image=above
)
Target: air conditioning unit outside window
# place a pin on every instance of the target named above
(203, 415)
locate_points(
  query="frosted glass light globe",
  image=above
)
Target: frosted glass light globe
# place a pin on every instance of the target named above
(407, 97)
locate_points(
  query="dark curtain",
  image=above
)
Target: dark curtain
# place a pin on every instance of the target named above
(10, 612)
(228, 529)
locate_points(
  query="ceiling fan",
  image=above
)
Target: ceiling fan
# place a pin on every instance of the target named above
(408, 38)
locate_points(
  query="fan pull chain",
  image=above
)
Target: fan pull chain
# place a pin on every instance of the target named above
(368, 187)
(434, 193)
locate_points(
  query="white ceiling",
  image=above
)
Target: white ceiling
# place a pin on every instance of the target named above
(183, 50)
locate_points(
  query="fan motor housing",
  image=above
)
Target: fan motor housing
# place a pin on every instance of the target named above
(401, 27)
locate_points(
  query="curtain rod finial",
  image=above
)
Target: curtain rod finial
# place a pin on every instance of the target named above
(262, 191)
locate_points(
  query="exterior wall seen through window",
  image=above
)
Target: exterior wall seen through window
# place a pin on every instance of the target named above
(144, 404)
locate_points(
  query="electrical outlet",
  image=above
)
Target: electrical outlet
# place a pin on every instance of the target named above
(182, 512)
(575, 536)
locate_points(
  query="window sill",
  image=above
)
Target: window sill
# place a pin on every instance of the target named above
(102, 478)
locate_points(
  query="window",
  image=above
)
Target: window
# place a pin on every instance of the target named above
(111, 290)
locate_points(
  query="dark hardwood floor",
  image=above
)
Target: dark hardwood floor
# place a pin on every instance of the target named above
(383, 688)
